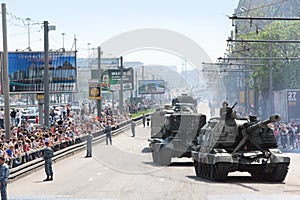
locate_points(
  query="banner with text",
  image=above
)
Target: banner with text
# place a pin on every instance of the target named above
(111, 79)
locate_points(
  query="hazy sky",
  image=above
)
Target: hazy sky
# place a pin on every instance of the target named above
(95, 21)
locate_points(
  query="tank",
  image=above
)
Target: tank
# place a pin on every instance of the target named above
(229, 144)
(173, 131)
(184, 98)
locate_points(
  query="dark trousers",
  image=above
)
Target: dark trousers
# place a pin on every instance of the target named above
(89, 150)
(108, 138)
(2, 123)
(48, 167)
(3, 191)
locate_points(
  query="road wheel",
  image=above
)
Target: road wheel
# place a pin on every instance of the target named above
(212, 171)
(164, 157)
(155, 156)
(258, 173)
(278, 174)
(196, 165)
(221, 172)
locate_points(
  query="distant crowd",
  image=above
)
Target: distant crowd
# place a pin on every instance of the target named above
(65, 128)
(287, 135)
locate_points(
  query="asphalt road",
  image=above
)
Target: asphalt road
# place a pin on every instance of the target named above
(125, 170)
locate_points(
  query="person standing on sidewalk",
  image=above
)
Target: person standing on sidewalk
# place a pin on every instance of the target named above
(47, 155)
(89, 141)
(144, 120)
(108, 133)
(4, 173)
(133, 128)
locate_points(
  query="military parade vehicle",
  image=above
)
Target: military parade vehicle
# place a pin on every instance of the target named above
(229, 144)
(184, 98)
(173, 131)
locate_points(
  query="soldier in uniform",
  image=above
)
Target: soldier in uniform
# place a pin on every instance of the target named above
(132, 128)
(144, 120)
(89, 140)
(223, 110)
(47, 155)
(108, 133)
(4, 173)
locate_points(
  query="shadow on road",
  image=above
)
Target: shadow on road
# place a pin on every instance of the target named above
(173, 164)
(41, 181)
(181, 164)
(146, 150)
(238, 180)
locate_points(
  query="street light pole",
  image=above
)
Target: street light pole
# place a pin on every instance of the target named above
(5, 83)
(63, 36)
(121, 107)
(46, 72)
(28, 27)
(99, 102)
(271, 105)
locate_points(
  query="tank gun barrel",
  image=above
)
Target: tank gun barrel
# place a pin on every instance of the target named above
(260, 124)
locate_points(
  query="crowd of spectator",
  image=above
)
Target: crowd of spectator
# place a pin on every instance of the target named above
(287, 135)
(66, 128)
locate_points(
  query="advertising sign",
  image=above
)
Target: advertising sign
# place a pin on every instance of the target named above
(26, 72)
(151, 86)
(94, 91)
(293, 101)
(111, 79)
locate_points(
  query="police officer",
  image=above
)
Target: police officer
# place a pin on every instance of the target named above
(4, 173)
(132, 128)
(89, 140)
(144, 120)
(108, 133)
(148, 122)
(47, 155)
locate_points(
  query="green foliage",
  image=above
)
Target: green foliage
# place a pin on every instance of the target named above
(284, 71)
(140, 113)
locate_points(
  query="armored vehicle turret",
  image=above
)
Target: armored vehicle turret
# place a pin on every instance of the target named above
(231, 144)
(173, 131)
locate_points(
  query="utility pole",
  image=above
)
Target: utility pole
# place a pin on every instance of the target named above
(47, 28)
(143, 73)
(89, 58)
(99, 102)
(46, 74)
(28, 27)
(5, 83)
(63, 36)
(271, 105)
(121, 107)
(136, 85)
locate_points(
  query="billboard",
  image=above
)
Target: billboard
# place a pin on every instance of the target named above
(111, 79)
(26, 72)
(151, 86)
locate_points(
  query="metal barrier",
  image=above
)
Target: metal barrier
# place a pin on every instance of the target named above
(33, 160)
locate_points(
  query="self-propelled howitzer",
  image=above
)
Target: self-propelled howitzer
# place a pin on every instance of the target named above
(261, 124)
(239, 144)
